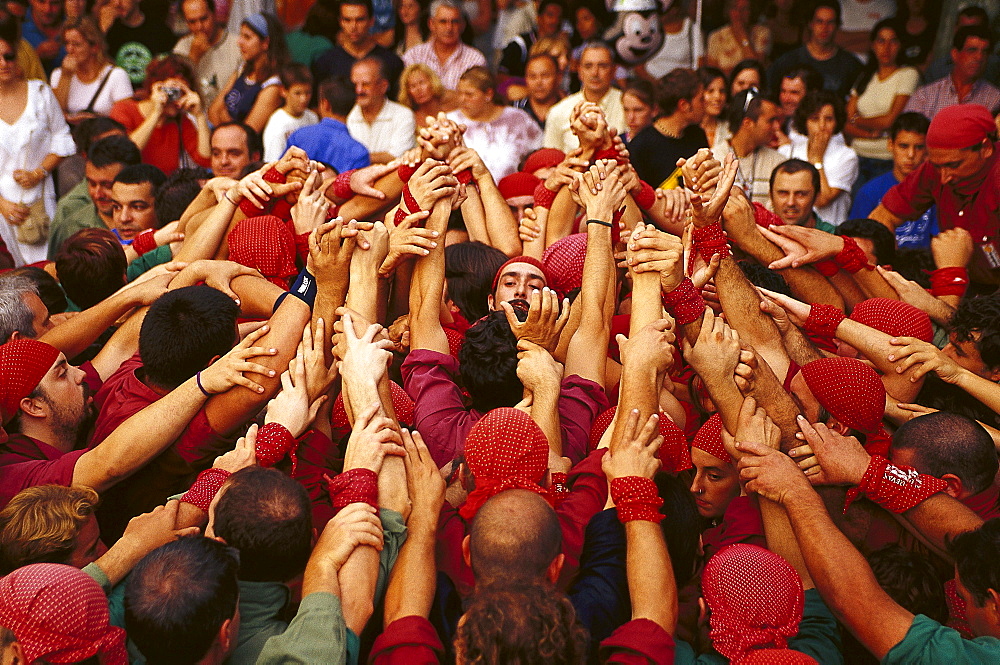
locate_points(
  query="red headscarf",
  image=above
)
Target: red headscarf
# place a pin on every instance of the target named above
(960, 126)
(564, 260)
(60, 614)
(543, 159)
(894, 317)
(265, 244)
(756, 600)
(401, 404)
(530, 260)
(505, 450)
(849, 389)
(23, 364)
(675, 454)
(518, 184)
(709, 439)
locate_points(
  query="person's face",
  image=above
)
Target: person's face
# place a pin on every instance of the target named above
(62, 389)
(230, 152)
(715, 484)
(99, 181)
(981, 618)
(697, 102)
(739, 12)
(956, 165)
(791, 95)
(822, 122)
(714, 97)
(966, 355)
(40, 321)
(75, 9)
(746, 79)
(199, 18)
(768, 124)
(473, 101)
(9, 69)
(369, 86)
(46, 12)
(909, 150)
(519, 280)
(638, 114)
(970, 61)
(88, 547)
(596, 71)
(549, 20)
(355, 23)
(886, 47)
(78, 47)
(586, 24)
(517, 205)
(823, 26)
(250, 44)
(446, 26)
(409, 12)
(562, 57)
(541, 78)
(420, 88)
(793, 196)
(297, 97)
(132, 208)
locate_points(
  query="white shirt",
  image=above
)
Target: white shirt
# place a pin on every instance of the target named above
(117, 87)
(279, 127)
(504, 142)
(217, 64)
(393, 131)
(681, 49)
(557, 131)
(840, 163)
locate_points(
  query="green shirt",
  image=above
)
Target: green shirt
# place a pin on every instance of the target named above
(929, 642)
(74, 212)
(317, 634)
(150, 259)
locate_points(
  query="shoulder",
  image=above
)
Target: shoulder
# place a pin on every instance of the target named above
(927, 641)
(566, 105)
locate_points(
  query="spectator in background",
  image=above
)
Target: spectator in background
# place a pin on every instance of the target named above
(907, 143)
(296, 88)
(793, 88)
(86, 84)
(515, 54)
(740, 39)
(133, 201)
(411, 25)
(597, 70)
(683, 44)
(42, 28)
(329, 141)
(838, 68)
(385, 128)
(502, 135)
(234, 147)
(970, 15)
(252, 94)
(421, 91)
(820, 119)
(542, 77)
(158, 117)
(783, 19)
(794, 186)
(746, 74)
(558, 47)
(713, 85)
(859, 19)
(444, 52)
(214, 52)
(755, 121)
(135, 39)
(877, 99)
(970, 51)
(355, 42)
(918, 20)
(308, 42)
(639, 102)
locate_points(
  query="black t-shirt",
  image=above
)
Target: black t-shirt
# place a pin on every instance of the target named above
(655, 156)
(515, 55)
(839, 72)
(338, 62)
(133, 48)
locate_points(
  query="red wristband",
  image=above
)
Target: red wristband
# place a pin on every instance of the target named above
(353, 486)
(636, 498)
(608, 153)
(144, 242)
(684, 303)
(945, 281)
(559, 485)
(616, 226)
(274, 441)
(708, 242)
(646, 196)
(208, 484)
(405, 172)
(399, 216)
(895, 488)
(852, 258)
(464, 177)
(823, 320)
(342, 185)
(827, 268)
(409, 201)
(544, 196)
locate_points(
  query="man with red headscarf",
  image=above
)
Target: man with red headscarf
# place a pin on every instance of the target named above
(962, 178)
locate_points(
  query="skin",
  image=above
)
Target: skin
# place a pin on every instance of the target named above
(63, 400)
(476, 104)
(971, 60)
(886, 47)
(638, 115)
(596, 72)
(297, 99)
(715, 484)
(793, 197)
(200, 21)
(40, 321)
(714, 97)
(541, 77)
(966, 355)
(369, 87)
(79, 50)
(956, 165)
(355, 25)
(746, 79)
(420, 88)
(133, 208)
(822, 122)
(409, 12)
(823, 27)
(88, 547)
(446, 28)
(230, 153)
(549, 21)
(519, 280)
(250, 44)
(46, 13)
(99, 182)
(586, 23)
(766, 128)
(908, 150)
(791, 94)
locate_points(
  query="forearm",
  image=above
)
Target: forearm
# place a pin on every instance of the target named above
(651, 583)
(562, 214)
(411, 588)
(358, 577)
(741, 302)
(536, 247)
(545, 413)
(874, 345)
(781, 538)
(257, 296)
(320, 577)
(366, 207)
(646, 305)
(204, 241)
(980, 388)
(874, 284)
(882, 215)
(592, 328)
(204, 136)
(74, 335)
(849, 290)
(141, 135)
(426, 290)
(639, 391)
(474, 214)
(500, 223)
(940, 518)
(826, 193)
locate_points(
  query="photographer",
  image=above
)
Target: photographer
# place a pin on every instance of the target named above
(159, 117)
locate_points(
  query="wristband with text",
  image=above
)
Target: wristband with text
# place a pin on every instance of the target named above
(895, 488)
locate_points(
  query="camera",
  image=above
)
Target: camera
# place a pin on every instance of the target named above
(173, 93)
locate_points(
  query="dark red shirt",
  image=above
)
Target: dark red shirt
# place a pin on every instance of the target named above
(27, 462)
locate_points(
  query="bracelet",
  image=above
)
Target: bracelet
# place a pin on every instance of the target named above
(646, 196)
(951, 281)
(636, 498)
(197, 378)
(144, 242)
(598, 221)
(342, 185)
(684, 303)
(895, 488)
(226, 195)
(823, 320)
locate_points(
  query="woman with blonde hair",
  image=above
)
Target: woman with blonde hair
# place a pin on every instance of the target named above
(421, 90)
(87, 84)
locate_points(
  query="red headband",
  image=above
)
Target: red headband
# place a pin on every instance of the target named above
(543, 159)
(530, 260)
(960, 126)
(849, 389)
(518, 184)
(23, 364)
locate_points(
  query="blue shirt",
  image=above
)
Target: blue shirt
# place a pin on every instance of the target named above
(34, 36)
(329, 142)
(916, 233)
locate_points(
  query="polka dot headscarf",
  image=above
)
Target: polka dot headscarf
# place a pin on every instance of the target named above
(675, 454)
(23, 364)
(564, 261)
(894, 317)
(849, 389)
(265, 244)
(709, 439)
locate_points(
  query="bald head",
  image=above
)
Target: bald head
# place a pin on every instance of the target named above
(515, 536)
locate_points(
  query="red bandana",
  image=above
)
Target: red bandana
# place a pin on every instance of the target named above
(59, 614)
(675, 454)
(755, 597)
(960, 126)
(895, 488)
(518, 184)
(23, 364)
(894, 317)
(265, 244)
(530, 260)
(849, 389)
(709, 439)
(564, 261)
(545, 158)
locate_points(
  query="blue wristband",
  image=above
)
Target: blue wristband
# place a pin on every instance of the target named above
(304, 288)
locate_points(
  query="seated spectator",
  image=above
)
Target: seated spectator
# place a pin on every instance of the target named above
(412, 29)
(136, 38)
(794, 187)
(969, 53)
(86, 84)
(385, 128)
(793, 88)
(444, 52)
(755, 121)
(296, 88)
(214, 51)
(559, 48)
(329, 141)
(639, 102)
(42, 27)
(158, 117)
(421, 90)
(907, 144)
(503, 136)
(542, 82)
(306, 43)
(747, 74)
(234, 147)
(514, 59)
(820, 119)
(742, 38)
(715, 98)
(859, 18)
(942, 64)
(683, 44)
(596, 76)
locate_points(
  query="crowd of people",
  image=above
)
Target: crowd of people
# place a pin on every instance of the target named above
(439, 332)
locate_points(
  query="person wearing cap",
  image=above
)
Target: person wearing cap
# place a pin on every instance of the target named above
(543, 162)
(518, 190)
(962, 178)
(517, 280)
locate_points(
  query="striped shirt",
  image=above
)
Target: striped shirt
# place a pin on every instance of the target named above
(452, 68)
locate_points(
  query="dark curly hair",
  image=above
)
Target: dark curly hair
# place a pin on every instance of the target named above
(813, 103)
(488, 361)
(911, 580)
(529, 625)
(980, 315)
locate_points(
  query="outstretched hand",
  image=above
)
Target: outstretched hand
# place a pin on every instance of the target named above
(635, 454)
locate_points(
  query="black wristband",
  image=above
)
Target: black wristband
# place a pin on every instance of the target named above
(598, 221)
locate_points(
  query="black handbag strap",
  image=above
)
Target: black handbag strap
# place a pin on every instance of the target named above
(93, 100)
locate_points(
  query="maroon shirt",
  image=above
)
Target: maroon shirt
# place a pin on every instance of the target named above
(27, 462)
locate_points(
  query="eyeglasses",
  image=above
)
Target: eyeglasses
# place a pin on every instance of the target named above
(9, 56)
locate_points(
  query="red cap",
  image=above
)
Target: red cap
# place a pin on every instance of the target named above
(530, 260)
(960, 126)
(23, 364)
(543, 159)
(264, 243)
(849, 389)
(564, 258)
(894, 317)
(518, 184)
(709, 439)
